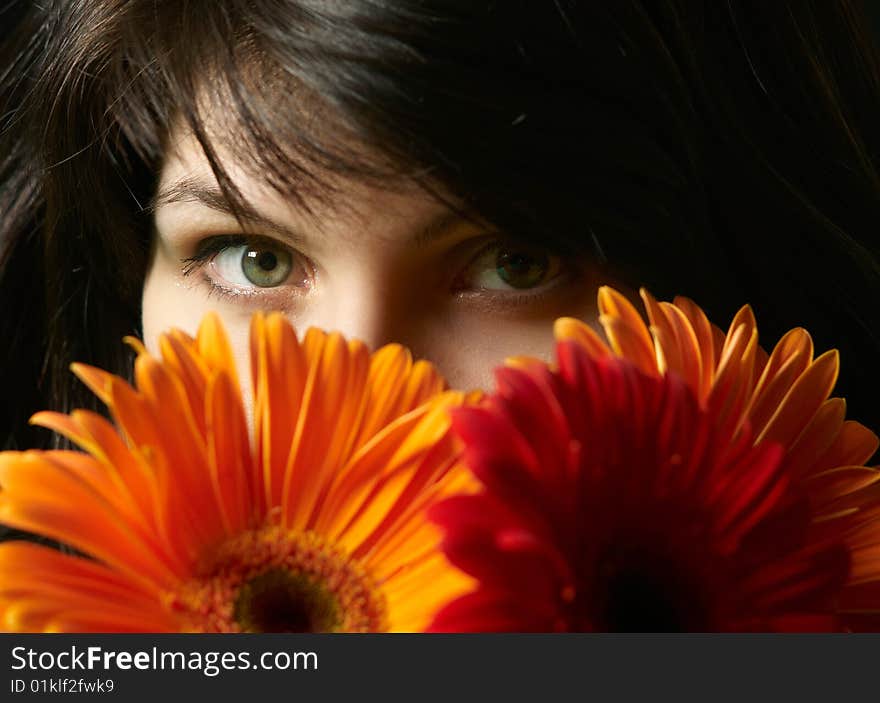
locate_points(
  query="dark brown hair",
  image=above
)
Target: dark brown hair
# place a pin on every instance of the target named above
(726, 151)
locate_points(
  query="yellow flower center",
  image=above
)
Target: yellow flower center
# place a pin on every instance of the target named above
(275, 580)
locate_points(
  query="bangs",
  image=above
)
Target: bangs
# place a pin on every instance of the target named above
(283, 100)
(488, 110)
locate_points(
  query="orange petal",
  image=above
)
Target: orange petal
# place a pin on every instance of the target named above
(803, 400)
(110, 620)
(44, 497)
(423, 383)
(817, 437)
(789, 359)
(744, 317)
(568, 328)
(703, 332)
(69, 584)
(29, 566)
(627, 343)
(124, 480)
(99, 382)
(400, 446)
(332, 405)
(190, 370)
(397, 497)
(730, 390)
(26, 615)
(390, 366)
(627, 333)
(213, 346)
(686, 361)
(854, 445)
(666, 351)
(525, 363)
(135, 344)
(229, 454)
(183, 451)
(280, 367)
(826, 487)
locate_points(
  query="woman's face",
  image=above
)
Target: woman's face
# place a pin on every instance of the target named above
(378, 265)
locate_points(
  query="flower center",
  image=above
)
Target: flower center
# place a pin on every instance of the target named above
(639, 601)
(643, 590)
(282, 601)
(275, 580)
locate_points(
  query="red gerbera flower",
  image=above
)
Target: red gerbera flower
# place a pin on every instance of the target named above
(612, 500)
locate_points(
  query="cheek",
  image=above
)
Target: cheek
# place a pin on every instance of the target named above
(166, 303)
(469, 343)
(169, 302)
(472, 346)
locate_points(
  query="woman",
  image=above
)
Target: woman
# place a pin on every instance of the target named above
(452, 175)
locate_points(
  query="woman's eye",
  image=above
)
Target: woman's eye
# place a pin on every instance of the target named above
(512, 267)
(264, 265)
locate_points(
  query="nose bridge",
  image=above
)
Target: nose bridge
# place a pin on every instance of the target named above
(359, 306)
(364, 315)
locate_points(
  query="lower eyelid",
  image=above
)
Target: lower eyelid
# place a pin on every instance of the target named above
(490, 299)
(252, 290)
(252, 299)
(280, 297)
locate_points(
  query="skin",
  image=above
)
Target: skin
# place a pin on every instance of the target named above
(378, 265)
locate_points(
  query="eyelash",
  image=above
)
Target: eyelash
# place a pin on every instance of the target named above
(510, 299)
(212, 246)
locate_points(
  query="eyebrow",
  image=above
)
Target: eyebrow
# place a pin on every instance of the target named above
(197, 191)
(190, 190)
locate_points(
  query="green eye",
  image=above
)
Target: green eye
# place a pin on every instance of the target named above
(266, 266)
(257, 262)
(506, 266)
(520, 268)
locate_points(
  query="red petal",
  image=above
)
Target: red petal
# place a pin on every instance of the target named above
(493, 611)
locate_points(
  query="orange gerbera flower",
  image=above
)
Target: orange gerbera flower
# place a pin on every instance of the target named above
(317, 526)
(781, 397)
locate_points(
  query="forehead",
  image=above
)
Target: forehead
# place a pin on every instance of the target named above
(331, 202)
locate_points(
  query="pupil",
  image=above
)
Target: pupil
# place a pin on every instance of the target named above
(521, 269)
(267, 261)
(518, 263)
(266, 267)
